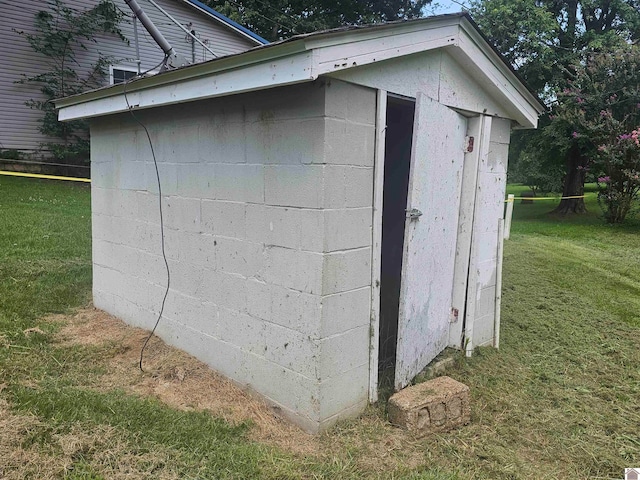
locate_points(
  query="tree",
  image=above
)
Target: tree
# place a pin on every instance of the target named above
(277, 19)
(599, 112)
(62, 33)
(543, 39)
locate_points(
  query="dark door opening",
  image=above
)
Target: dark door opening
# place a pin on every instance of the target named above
(397, 160)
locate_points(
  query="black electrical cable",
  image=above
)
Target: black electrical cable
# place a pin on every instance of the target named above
(155, 163)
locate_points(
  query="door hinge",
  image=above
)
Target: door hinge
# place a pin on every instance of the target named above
(413, 214)
(453, 318)
(468, 147)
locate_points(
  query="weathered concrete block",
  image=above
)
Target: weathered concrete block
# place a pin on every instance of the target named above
(346, 229)
(270, 141)
(195, 179)
(182, 213)
(278, 226)
(348, 186)
(346, 270)
(239, 257)
(294, 269)
(290, 349)
(344, 311)
(296, 310)
(312, 230)
(349, 143)
(294, 186)
(349, 101)
(222, 142)
(344, 395)
(343, 352)
(224, 218)
(438, 405)
(241, 183)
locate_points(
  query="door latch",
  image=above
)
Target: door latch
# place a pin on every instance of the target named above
(413, 214)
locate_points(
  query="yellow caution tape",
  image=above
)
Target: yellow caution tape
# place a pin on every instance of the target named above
(49, 177)
(544, 198)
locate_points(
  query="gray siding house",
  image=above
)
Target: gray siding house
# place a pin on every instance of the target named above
(19, 123)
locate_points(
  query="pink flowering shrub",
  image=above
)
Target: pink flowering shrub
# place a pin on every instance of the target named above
(619, 188)
(599, 113)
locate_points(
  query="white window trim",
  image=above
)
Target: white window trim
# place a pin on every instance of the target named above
(126, 68)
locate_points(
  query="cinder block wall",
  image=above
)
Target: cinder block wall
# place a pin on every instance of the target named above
(267, 207)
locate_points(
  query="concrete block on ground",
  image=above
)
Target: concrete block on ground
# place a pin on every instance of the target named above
(438, 405)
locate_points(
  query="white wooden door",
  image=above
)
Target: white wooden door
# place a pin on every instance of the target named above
(430, 239)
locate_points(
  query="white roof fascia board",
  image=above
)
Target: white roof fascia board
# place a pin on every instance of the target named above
(502, 82)
(339, 57)
(378, 32)
(240, 60)
(306, 58)
(282, 71)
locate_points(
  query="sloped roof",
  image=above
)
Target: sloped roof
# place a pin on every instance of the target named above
(226, 21)
(304, 58)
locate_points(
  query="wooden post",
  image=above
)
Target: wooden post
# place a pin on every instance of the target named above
(508, 215)
(496, 319)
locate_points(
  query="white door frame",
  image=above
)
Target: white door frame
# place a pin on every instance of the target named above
(376, 250)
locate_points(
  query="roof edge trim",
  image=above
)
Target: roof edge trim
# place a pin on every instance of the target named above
(227, 21)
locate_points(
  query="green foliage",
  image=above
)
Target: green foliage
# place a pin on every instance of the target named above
(10, 154)
(600, 112)
(544, 39)
(62, 33)
(541, 38)
(283, 18)
(531, 171)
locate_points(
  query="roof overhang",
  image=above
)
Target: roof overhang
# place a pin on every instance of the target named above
(305, 58)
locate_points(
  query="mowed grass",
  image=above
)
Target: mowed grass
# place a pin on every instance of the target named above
(560, 399)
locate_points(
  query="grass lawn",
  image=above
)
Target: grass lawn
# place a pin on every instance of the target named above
(561, 399)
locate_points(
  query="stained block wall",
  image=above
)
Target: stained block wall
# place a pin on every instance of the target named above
(267, 203)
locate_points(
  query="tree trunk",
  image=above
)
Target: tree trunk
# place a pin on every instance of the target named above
(573, 184)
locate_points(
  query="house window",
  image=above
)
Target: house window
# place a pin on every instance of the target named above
(121, 74)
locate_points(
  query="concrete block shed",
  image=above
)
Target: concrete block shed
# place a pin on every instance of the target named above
(331, 206)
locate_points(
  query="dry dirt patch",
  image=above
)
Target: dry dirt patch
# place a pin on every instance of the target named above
(176, 378)
(183, 382)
